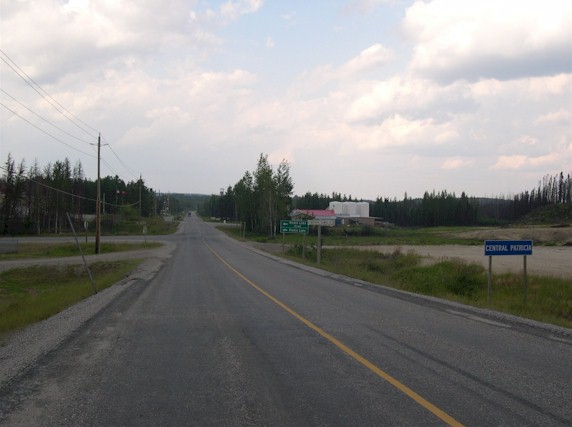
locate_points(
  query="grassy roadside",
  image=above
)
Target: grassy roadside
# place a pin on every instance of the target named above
(58, 250)
(549, 299)
(28, 295)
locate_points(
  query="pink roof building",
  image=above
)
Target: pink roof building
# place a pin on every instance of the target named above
(314, 213)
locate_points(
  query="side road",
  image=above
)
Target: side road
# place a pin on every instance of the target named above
(21, 349)
(143, 253)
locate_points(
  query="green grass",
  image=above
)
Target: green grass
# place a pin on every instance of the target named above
(56, 250)
(354, 236)
(28, 295)
(548, 299)
(112, 226)
(155, 226)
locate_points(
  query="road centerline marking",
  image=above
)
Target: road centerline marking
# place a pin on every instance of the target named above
(439, 413)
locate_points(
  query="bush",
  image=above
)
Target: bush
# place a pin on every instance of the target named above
(463, 279)
(367, 230)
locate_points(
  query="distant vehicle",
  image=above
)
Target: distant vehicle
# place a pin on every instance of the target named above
(190, 214)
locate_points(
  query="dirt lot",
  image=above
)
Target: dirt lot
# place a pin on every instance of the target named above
(545, 260)
(540, 235)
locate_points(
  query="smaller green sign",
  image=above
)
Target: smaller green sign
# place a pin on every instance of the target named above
(294, 226)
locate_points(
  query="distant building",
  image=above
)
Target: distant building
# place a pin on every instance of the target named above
(350, 209)
(313, 214)
(345, 213)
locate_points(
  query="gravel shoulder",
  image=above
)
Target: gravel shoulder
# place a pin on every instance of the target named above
(21, 349)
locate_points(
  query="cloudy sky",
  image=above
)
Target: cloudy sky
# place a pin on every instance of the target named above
(363, 97)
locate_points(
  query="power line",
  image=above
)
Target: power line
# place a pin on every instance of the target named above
(58, 107)
(121, 161)
(76, 196)
(43, 118)
(67, 193)
(45, 95)
(45, 132)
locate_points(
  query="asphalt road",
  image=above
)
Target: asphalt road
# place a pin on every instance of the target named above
(223, 335)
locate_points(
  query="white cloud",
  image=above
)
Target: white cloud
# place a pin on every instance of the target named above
(489, 38)
(232, 10)
(348, 75)
(562, 116)
(528, 140)
(369, 59)
(410, 96)
(365, 6)
(456, 163)
(398, 131)
(520, 161)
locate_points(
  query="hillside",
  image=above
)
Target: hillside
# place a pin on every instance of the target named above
(556, 214)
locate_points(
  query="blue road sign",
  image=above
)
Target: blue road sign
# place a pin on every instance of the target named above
(508, 247)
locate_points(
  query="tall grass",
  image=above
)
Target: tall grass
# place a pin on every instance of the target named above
(28, 295)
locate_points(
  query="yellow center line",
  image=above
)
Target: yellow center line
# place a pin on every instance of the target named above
(373, 368)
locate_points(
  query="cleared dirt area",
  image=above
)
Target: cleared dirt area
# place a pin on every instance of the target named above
(545, 260)
(555, 259)
(540, 235)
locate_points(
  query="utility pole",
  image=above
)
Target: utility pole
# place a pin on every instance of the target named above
(98, 198)
(140, 185)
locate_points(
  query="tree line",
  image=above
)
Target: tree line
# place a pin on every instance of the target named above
(433, 209)
(260, 199)
(35, 200)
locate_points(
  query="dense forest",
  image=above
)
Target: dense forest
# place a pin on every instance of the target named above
(35, 200)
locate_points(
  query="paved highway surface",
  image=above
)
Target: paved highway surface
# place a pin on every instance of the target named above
(223, 335)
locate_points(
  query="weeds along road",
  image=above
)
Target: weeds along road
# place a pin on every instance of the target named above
(223, 335)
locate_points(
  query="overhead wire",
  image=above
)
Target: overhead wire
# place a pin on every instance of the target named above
(45, 132)
(76, 196)
(121, 161)
(46, 96)
(58, 107)
(43, 118)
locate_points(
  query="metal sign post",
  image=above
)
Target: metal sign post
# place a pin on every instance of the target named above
(507, 247)
(320, 223)
(319, 259)
(294, 226)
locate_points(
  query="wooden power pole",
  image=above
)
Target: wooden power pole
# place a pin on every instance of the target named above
(98, 198)
(140, 185)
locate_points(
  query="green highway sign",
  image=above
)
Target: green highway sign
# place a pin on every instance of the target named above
(294, 226)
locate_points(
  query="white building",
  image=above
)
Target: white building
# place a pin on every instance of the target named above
(350, 209)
